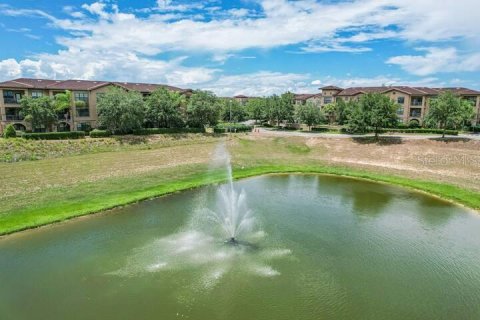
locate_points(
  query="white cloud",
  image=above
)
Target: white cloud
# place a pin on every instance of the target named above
(102, 42)
(9, 68)
(437, 60)
(262, 83)
(97, 8)
(376, 81)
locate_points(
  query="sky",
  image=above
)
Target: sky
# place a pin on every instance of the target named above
(250, 47)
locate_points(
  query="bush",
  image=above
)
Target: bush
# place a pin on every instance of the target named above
(320, 129)
(167, 130)
(476, 129)
(54, 135)
(419, 130)
(100, 133)
(231, 127)
(413, 124)
(10, 132)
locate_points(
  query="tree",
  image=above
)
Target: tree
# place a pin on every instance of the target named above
(232, 110)
(330, 111)
(256, 108)
(309, 114)
(374, 110)
(163, 108)
(9, 132)
(448, 110)
(203, 109)
(287, 106)
(63, 101)
(120, 111)
(39, 112)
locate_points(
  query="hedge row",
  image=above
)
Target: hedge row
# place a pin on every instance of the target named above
(54, 135)
(420, 130)
(100, 133)
(167, 130)
(232, 128)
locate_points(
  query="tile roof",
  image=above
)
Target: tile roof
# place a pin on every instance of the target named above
(331, 88)
(421, 91)
(27, 83)
(305, 96)
(240, 96)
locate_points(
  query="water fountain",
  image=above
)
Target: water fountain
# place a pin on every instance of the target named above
(232, 213)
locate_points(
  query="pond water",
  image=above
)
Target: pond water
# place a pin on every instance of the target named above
(322, 248)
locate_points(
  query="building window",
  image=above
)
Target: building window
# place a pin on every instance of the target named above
(400, 111)
(415, 112)
(84, 126)
(417, 101)
(37, 94)
(401, 100)
(10, 96)
(81, 104)
(13, 114)
(327, 100)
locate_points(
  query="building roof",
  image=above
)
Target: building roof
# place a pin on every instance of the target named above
(27, 83)
(240, 96)
(421, 91)
(305, 96)
(331, 88)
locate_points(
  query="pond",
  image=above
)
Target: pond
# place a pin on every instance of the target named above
(322, 248)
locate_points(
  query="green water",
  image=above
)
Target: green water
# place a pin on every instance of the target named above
(328, 248)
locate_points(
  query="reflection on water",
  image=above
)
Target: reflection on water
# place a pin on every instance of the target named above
(322, 248)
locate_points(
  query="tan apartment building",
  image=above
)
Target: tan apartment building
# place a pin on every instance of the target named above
(78, 118)
(413, 102)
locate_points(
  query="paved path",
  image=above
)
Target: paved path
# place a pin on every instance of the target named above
(287, 133)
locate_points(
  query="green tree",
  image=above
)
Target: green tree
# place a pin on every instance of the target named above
(373, 110)
(287, 106)
(256, 108)
(309, 114)
(448, 111)
(203, 109)
(39, 112)
(63, 101)
(233, 111)
(9, 132)
(163, 108)
(120, 111)
(342, 110)
(330, 111)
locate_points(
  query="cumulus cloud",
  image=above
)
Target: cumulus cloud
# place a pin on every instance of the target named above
(100, 41)
(437, 60)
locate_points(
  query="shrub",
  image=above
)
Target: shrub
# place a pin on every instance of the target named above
(10, 131)
(420, 130)
(476, 129)
(100, 133)
(54, 135)
(167, 130)
(321, 129)
(413, 124)
(231, 127)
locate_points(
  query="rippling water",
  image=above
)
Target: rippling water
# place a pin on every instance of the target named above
(328, 248)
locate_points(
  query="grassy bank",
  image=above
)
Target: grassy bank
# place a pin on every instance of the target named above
(118, 193)
(37, 193)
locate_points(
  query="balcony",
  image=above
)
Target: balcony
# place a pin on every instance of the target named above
(11, 100)
(14, 117)
(415, 113)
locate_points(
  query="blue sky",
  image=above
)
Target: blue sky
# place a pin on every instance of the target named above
(253, 47)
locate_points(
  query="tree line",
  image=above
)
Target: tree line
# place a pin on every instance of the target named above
(121, 111)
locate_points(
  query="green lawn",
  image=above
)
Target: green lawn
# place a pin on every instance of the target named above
(51, 190)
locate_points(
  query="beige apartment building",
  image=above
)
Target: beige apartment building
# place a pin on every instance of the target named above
(413, 102)
(77, 118)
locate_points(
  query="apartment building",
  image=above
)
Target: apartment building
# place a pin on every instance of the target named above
(78, 118)
(413, 102)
